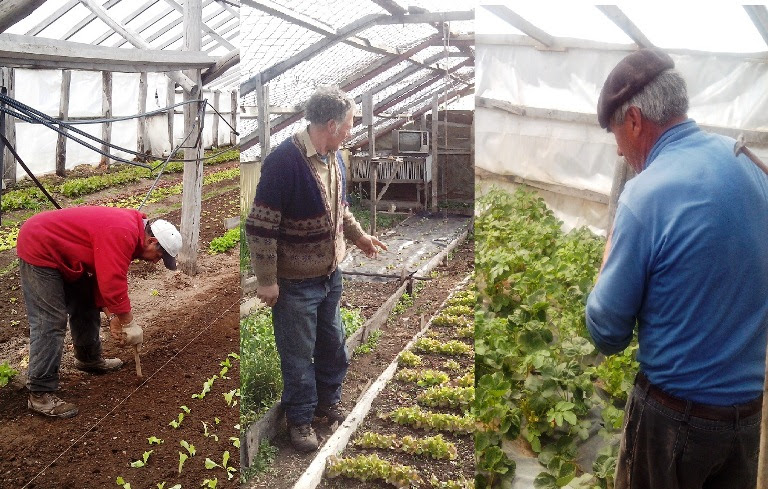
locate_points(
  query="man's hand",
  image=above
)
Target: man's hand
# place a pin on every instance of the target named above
(368, 245)
(116, 330)
(268, 294)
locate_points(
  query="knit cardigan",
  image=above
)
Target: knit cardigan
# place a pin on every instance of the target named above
(289, 229)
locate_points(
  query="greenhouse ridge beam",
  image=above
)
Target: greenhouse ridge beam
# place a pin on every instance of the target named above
(28, 51)
(208, 30)
(87, 20)
(506, 14)
(759, 16)
(275, 70)
(619, 18)
(12, 11)
(311, 24)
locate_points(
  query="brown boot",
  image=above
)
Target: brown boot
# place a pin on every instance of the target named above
(334, 413)
(303, 437)
(100, 366)
(49, 404)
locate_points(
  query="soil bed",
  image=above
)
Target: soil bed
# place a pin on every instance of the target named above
(364, 369)
(191, 325)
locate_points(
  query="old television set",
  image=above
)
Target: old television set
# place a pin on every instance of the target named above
(408, 142)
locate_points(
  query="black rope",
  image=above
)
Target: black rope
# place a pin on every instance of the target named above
(125, 117)
(222, 118)
(26, 169)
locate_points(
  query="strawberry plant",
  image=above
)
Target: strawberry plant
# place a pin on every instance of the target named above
(536, 366)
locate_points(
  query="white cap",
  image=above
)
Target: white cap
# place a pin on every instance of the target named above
(170, 239)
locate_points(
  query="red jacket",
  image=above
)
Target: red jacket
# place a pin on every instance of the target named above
(100, 241)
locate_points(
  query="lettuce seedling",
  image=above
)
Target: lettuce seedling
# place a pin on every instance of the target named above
(153, 440)
(141, 463)
(182, 458)
(190, 448)
(121, 482)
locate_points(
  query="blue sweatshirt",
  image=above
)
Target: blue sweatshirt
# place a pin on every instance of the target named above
(689, 265)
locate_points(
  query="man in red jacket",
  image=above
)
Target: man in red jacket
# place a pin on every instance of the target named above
(73, 265)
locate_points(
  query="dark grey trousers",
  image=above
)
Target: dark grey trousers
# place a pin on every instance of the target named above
(50, 302)
(665, 449)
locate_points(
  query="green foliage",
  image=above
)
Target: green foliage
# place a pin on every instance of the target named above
(408, 359)
(75, 187)
(352, 320)
(371, 467)
(452, 347)
(6, 373)
(535, 363)
(24, 198)
(370, 343)
(403, 304)
(434, 446)
(617, 372)
(423, 378)
(384, 221)
(414, 416)
(260, 378)
(442, 396)
(229, 240)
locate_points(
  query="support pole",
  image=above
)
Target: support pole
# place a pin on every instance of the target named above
(61, 141)
(8, 172)
(262, 102)
(622, 173)
(215, 123)
(373, 168)
(435, 117)
(170, 99)
(233, 117)
(106, 112)
(141, 125)
(191, 199)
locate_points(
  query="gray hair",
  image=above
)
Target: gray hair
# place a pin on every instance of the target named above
(328, 103)
(661, 100)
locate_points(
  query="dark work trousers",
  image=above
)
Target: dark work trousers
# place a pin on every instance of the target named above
(665, 449)
(50, 302)
(310, 339)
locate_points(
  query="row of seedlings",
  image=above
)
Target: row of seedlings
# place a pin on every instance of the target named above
(419, 432)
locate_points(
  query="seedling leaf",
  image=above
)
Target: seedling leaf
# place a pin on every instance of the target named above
(190, 448)
(153, 440)
(210, 464)
(182, 458)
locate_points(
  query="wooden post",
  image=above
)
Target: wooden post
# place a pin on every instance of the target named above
(435, 117)
(262, 102)
(373, 168)
(215, 124)
(191, 199)
(141, 126)
(8, 82)
(106, 111)
(170, 99)
(61, 141)
(622, 173)
(233, 117)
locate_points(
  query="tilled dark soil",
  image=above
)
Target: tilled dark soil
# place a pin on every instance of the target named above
(191, 325)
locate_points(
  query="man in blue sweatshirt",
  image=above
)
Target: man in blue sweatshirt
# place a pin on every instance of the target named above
(687, 264)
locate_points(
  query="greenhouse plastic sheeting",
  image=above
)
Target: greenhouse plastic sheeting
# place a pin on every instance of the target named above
(724, 91)
(41, 90)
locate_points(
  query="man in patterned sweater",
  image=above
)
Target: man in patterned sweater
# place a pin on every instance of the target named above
(296, 231)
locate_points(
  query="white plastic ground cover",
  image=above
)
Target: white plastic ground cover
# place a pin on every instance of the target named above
(336, 443)
(41, 90)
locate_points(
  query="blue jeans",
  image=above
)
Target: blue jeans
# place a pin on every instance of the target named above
(50, 302)
(662, 448)
(310, 341)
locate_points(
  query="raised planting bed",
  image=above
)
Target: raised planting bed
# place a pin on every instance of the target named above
(417, 429)
(191, 328)
(399, 327)
(548, 406)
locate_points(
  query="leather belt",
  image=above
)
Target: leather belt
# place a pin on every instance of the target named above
(706, 411)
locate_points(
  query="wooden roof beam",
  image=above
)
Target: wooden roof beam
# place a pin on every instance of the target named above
(624, 23)
(32, 52)
(223, 64)
(87, 20)
(759, 16)
(41, 26)
(422, 110)
(134, 39)
(12, 11)
(506, 14)
(430, 17)
(314, 25)
(206, 28)
(306, 53)
(140, 30)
